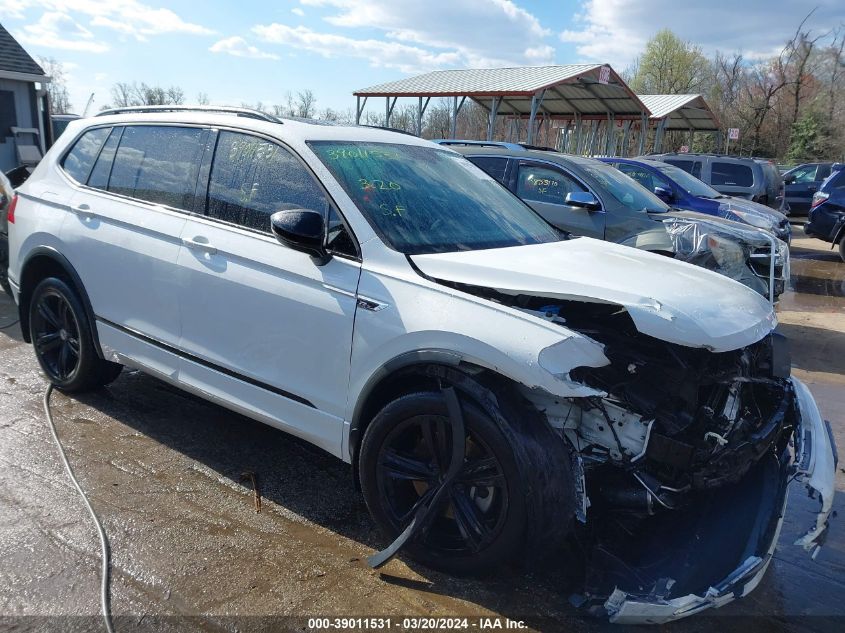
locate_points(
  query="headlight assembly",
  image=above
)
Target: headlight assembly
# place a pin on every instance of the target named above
(726, 252)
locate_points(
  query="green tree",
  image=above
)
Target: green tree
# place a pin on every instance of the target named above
(670, 66)
(809, 138)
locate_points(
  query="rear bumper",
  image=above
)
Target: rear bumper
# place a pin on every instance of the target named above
(814, 465)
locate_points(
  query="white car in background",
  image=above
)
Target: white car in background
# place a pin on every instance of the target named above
(494, 385)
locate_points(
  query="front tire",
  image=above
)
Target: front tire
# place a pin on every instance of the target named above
(61, 337)
(406, 451)
(842, 249)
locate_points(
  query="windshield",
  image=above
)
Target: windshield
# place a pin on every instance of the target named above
(688, 182)
(429, 200)
(624, 189)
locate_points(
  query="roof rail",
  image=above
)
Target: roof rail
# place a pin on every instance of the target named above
(502, 144)
(244, 112)
(388, 129)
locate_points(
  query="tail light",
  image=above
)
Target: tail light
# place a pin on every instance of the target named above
(10, 214)
(818, 198)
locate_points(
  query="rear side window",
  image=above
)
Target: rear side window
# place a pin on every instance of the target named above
(731, 174)
(686, 165)
(495, 167)
(99, 178)
(252, 178)
(158, 164)
(545, 185)
(80, 159)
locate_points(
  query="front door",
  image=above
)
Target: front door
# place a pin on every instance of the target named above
(264, 328)
(545, 187)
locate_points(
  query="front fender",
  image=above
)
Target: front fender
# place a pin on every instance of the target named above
(427, 322)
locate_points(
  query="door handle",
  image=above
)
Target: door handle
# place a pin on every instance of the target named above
(198, 244)
(83, 211)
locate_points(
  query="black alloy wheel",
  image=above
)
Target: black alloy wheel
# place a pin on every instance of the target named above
(55, 335)
(62, 337)
(406, 453)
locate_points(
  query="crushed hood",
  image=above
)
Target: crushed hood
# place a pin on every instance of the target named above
(667, 299)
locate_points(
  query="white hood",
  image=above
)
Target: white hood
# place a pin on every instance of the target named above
(670, 300)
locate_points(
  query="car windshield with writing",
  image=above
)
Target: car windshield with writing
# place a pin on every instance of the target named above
(689, 183)
(428, 200)
(624, 189)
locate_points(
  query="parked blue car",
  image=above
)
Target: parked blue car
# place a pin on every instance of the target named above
(827, 214)
(681, 190)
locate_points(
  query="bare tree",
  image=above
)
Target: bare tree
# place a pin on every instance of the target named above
(202, 98)
(306, 104)
(57, 88)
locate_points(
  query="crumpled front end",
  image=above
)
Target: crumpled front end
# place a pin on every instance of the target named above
(686, 462)
(736, 533)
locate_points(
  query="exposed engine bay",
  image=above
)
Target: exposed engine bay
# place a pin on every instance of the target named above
(684, 446)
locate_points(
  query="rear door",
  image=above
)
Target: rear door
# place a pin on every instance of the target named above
(264, 328)
(544, 188)
(802, 186)
(123, 234)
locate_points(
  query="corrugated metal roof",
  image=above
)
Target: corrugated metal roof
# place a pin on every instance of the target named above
(480, 81)
(570, 89)
(681, 111)
(14, 58)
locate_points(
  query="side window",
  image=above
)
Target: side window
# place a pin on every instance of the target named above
(99, 178)
(686, 165)
(80, 159)
(696, 169)
(494, 166)
(641, 175)
(805, 174)
(252, 178)
(545, 185)
(158, 164)
(731, 174)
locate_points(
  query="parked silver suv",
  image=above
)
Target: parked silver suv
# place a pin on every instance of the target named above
(495, 386)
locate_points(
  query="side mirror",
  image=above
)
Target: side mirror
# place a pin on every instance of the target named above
(788, 180)
(664, 194)
(582, 199)
(302, 230)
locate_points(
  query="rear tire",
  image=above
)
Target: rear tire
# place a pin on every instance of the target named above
(61, 337)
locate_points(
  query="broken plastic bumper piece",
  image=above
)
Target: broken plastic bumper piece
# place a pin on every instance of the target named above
(814, 465)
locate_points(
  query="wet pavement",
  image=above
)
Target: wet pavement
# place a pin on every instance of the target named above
(166, 473)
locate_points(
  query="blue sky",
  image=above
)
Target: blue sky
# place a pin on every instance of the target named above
(253, 51)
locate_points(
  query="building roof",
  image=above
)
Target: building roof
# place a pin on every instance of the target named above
(13, 58)
(569, 89)
(682, 112)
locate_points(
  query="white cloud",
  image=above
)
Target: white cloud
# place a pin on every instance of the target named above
(377, 52)
(58, 30)
(238, 47)
(473, 33)
(616, 31)
(297, 11)
(128, 17)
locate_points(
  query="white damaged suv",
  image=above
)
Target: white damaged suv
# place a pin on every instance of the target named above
(496, 386)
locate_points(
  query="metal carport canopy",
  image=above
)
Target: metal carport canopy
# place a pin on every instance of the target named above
(681, 112)
(562, 91)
